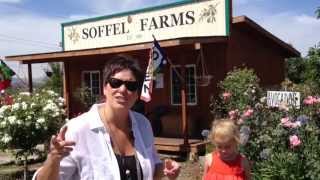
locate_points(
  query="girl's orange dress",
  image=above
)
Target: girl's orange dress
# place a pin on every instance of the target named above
(220, 170)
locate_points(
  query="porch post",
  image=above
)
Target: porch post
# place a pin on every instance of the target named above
(30, 77)
(66, 87)
(184, 108)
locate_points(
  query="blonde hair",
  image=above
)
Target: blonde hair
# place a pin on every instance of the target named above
(225, 130)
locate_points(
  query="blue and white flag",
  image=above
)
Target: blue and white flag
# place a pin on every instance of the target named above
(156, 61)
(158, 56)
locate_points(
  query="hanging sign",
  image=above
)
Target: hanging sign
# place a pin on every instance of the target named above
(277, 98)
(192, 19)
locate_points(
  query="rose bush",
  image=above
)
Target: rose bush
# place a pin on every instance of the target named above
(283, 142)
(30, 120)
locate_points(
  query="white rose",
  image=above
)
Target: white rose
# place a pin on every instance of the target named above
(25, 93)
(12, 119)
(3, 123)
(3, 108)
(6, 138)
(24, 105)
(41, 120)
(15, 106)
(51, 92)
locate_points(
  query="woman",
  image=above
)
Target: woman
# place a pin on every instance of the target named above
(109, 141)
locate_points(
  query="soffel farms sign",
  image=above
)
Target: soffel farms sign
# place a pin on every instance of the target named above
(193, 19)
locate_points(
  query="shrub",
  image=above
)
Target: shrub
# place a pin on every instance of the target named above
(241, 89)
(30, 120)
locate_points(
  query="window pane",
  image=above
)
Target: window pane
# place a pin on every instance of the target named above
(95, 84)
(87, 79)
(191, 88)
(190, 73)
(92, 82)
(95, 76)
(176, 84)
(95, 91)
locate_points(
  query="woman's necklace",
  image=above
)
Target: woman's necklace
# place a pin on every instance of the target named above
(122, 155)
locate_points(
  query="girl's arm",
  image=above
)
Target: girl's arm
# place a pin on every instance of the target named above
(247, 168)
(207, 164)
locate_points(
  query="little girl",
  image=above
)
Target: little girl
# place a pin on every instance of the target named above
(226, 162)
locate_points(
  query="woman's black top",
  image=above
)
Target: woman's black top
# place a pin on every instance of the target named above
(128, 167)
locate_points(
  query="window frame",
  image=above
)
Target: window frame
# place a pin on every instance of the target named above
(93, 97)
(187, 85)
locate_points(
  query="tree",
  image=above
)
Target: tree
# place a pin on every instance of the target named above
(312, 73)
(55, 81)
(307, 69)
(295, 68)
(318, 12)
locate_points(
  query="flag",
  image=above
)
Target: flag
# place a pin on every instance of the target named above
(5, 75)
(156, 60)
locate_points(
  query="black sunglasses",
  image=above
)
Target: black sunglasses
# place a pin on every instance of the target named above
(130, 85)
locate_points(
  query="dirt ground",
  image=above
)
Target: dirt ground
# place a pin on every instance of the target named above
(190, 170)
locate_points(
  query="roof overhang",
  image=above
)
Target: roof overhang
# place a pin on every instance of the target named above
(64, 56)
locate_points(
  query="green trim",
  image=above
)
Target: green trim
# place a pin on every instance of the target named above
(62, 41)
(228, 21)
(128, 13)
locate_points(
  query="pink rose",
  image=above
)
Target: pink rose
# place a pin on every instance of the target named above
(285, 122)
(310, 100)
(233, 114)
(226, 95)
(248, 113)
(294, 141)
(240, 121)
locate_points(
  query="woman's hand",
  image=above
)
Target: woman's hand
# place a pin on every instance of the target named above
(59, 147)
(171, 169)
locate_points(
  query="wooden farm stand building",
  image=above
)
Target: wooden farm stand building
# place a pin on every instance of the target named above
(202, 59)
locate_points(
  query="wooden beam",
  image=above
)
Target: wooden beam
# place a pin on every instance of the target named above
(66, 55)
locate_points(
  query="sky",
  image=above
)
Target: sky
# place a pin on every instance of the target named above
(30, 26)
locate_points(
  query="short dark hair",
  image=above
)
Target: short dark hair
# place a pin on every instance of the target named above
(119, 63)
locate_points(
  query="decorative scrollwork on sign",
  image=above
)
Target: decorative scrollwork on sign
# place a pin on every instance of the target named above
(209, 14)
(73, 35)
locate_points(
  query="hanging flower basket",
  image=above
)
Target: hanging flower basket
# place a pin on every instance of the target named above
(204, 80)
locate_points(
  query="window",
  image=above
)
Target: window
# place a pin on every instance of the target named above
(190, 74)
(91, 80)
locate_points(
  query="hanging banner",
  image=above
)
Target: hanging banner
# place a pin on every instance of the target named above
(192, 19)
